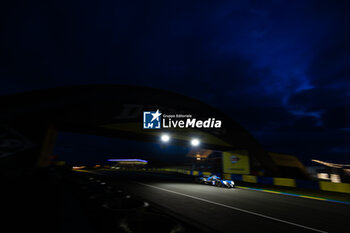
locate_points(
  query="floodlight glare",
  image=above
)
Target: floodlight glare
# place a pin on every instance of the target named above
(195, 142)
(165, 138)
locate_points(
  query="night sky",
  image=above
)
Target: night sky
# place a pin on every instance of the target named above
(279, 68)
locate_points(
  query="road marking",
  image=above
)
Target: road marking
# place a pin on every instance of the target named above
(316, 198)
(295, 195)
(269, 191)
(234, 208)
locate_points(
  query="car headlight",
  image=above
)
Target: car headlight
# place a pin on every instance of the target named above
(232, 182)
(225, 182)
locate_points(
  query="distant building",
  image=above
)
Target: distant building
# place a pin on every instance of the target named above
(331, 172)
(240, 162)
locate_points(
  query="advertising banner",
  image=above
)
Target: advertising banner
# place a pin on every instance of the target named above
(236, 162)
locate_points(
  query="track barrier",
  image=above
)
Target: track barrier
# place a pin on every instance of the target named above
(278, 181)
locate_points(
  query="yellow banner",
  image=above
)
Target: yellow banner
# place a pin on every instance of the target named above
(236, 162)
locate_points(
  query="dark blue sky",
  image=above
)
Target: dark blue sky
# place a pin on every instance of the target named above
(280, 68)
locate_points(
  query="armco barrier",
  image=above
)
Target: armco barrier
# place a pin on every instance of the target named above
(249, 178)
(317, 185)
(309, 184)
(284, 182)
(206, 173)
(265, 180)
(335, 187)
(236, 177)
(195, 173)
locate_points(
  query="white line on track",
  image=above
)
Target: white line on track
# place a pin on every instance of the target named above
(235, 208)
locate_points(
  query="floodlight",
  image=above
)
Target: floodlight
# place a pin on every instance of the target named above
(165, 138)
(195, 142)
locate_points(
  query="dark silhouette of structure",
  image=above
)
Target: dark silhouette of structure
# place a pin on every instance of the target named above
(30, 120)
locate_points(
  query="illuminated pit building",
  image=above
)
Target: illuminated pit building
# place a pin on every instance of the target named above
(333, 172)
(239, 162)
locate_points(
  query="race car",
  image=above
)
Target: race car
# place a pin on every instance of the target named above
(216, 181)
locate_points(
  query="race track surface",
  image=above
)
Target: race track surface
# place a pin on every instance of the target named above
(235, 210)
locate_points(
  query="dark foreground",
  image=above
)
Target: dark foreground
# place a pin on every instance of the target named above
(108, 201)
(236, 210)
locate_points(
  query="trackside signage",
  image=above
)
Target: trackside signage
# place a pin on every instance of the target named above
(236, 162)
(157, 120)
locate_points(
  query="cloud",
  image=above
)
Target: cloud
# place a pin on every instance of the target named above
(278, 68)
